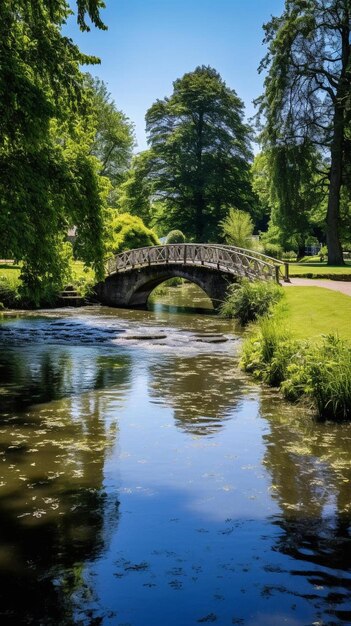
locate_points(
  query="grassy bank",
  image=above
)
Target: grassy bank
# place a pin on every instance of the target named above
(82, 279)
(302, 346)
(309, 312)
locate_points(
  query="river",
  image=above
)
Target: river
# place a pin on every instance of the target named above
(146, 481)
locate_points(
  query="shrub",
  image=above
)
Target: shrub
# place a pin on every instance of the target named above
(8, 292)
(128, 232)
(273, 249)
(248, 301)
(323, 253)
(289, 256)
(319, 373)
(237, 229)
(175, 236)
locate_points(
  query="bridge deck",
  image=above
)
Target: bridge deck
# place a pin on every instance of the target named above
(226, 259)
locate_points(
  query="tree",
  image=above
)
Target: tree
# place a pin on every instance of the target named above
(200, 153)
(114, 135)
(237, 229)
(48, 179)
(307, 99)
(135, 193)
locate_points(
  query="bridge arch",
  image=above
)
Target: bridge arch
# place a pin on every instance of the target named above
(132, 275)
(132, 289)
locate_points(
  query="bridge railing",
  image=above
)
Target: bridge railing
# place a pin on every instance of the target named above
(244, 263)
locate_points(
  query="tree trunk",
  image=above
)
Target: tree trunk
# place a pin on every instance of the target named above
(199, 195)
(335, 256)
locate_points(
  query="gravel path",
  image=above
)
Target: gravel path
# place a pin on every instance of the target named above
(335, 285)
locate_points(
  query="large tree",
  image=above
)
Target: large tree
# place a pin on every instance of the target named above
(307, 101)
(48, 179)
(200, 153)
(114, 135)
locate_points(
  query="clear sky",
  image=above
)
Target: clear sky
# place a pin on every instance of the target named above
(150, 43)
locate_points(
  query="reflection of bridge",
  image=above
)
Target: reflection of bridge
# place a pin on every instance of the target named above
(132, 275)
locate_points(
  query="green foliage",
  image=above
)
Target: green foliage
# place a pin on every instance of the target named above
(175, 236)
(113, 134)
(9, 296)
(134, 194)
(128, 232)
(306, 106)
(200, 153)
(290, 255)
(50, 180)
(237, 229)
(273, 249)
(319, 373)
(42, 281)
(248, 301)
(330, 374)
(323, 253)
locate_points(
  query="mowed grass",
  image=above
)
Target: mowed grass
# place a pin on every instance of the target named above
(309, 312)
(12, 272)
(296, 269)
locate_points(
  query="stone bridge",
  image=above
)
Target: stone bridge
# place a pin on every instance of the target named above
(134, 274)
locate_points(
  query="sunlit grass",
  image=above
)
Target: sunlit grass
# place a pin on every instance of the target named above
(296, 269)
(309, 312)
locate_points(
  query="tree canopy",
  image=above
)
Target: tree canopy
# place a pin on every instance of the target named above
(306, 104)
(49, 176)
(114, 133)
(200, 153)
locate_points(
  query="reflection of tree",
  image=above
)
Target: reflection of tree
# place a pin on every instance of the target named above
(55, 513)
(202, 390)
(42, 376)
(311, 477)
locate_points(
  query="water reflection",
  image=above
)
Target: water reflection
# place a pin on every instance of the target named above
(145, 483)
(203, 390)
(55, 512)
(30, 377)
(311, 476)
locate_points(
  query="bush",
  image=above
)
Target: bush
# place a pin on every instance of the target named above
(237, 229)
(175, 236)
(289, 256)
(9, 297)
(128, 232)
(248, 301)
(273, 249)
(323, 253)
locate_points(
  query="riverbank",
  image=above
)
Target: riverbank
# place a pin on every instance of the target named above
(303, 347)
(82, 280)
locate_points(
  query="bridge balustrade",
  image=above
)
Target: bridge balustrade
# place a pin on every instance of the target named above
(238, 261)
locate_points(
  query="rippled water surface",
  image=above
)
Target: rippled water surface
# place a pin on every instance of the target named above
(145, 481)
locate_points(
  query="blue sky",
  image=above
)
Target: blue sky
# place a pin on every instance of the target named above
(150, 43)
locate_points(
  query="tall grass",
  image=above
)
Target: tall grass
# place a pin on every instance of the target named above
(247, 301)
(319, 373)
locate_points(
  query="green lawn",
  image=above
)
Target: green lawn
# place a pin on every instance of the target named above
(313, 311)
(11, 272)
(79, 271)
(296, 269)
